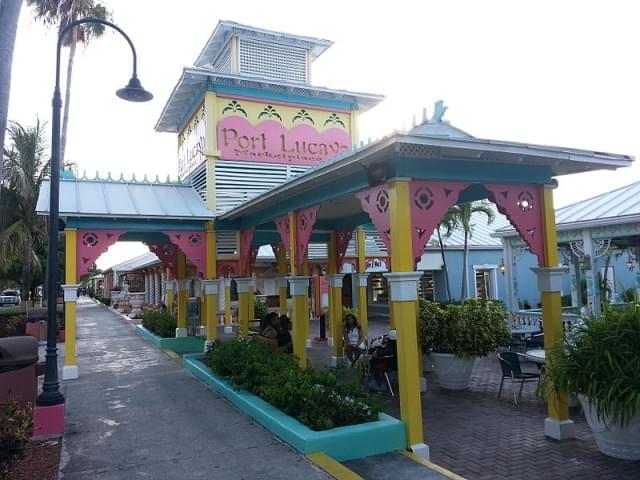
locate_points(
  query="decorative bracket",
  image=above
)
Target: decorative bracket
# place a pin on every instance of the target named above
(194, 246)
(430, 201)
(305, 220)
(522, 205)
(90, 244)
(246, 236)
(375, 202)
(343, 237)
(282, 226)
(167, 253)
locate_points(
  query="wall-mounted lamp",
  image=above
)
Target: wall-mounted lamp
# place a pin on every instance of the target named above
(630, 264)
(502, 266)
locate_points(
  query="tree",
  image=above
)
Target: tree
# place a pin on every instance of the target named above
(449, 223)
(23, 232)
(461, 215)
(9, 14)
(62, 13)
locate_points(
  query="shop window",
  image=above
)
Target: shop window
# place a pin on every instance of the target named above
(426, 286)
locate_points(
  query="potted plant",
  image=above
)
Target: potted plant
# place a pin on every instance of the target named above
(454, 335)
(600, 362)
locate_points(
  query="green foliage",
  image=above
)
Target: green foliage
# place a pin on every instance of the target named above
(349, 311)
(472, 329)
(260, 309)
(320, 400)
(103, 300)
(630, 295)
(601, 360)
(6, 312)
(162, 324)
(15, 426)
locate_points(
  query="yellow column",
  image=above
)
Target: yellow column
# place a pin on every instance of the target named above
(70, 289)
(557, 425)
(181, 331)
(335, 307)
(228, 328)
(363, 300)
(210, 289)
(243, 305)
(403, 291)
(332, 270)
(282, 281)
(299, 287)
(251, 300)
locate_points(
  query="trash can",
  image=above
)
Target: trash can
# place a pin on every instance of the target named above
(18, 358)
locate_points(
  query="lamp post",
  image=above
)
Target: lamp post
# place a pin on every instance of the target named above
(132, 92)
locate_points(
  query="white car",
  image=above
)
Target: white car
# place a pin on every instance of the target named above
(10, 297)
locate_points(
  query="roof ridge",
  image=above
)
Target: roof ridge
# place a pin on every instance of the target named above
(596, 196)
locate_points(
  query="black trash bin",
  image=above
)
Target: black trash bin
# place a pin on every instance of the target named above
(18, 359)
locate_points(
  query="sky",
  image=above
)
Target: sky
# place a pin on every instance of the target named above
(546, 72)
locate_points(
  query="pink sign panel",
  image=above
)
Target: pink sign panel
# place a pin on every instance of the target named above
(270, 142)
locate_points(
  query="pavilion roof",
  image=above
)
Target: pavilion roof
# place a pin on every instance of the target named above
(125, 199)
(446, 147)
(147, 259)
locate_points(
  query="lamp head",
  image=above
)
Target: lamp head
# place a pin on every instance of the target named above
(134, 92)
(502, 267)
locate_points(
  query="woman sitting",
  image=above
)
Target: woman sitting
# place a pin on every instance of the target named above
(269, 332)
(352, 336)
(284, 335)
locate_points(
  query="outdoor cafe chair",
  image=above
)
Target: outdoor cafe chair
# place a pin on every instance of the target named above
(510, 365)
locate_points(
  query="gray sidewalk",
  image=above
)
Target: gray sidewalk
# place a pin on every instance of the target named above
(135, 413)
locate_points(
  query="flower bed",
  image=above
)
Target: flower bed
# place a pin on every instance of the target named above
(179, 345)
(385, 434)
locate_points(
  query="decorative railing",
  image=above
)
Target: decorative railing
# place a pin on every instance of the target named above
(533, 318)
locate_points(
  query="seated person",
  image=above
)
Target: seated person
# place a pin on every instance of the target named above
(284, 335)
(269, 333)
(352, 337)
(383, 358)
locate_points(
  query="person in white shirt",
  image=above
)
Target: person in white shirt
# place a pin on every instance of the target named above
(352, 336)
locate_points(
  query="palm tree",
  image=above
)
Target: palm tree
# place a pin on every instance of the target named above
(462, 215)
(449, 223)
(9, 13)
(62, 13)
(22, 231)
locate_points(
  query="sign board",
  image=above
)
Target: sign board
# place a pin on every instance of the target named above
(192, 142)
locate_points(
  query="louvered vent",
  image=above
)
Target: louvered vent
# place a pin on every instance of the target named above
(352, 248)
(272, 60)
(227, 243)
(237, 182)
(223, 64)
(374, 244)
(317, 251)
(198, 180)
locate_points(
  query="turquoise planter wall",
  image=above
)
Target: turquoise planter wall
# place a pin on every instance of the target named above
(179, 345)
(342, 443)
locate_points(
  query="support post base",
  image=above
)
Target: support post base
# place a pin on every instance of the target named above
(330, 341)
(228, 329)
(181, 332)
(559, 429)
(422, 450)
(307, 343)
(202, 331)
(69, 372)
(338, 361)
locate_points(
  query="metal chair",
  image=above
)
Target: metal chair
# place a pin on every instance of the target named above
(510, 365)
(385, 365)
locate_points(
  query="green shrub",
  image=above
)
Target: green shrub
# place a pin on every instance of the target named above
(15, 426)
(319, 400)
(473, 329)
(13, 326)
(601, 360)
(11, 311)
(162, 324)
(260, 309)
(349, 311)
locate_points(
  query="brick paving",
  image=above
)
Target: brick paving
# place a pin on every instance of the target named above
(475, 435)
(480, 437)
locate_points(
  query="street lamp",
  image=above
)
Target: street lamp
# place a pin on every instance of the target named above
(132, 92)
(502, 267)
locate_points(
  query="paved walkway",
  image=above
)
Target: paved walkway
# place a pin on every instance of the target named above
(135, 413)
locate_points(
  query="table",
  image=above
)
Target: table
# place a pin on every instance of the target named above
(537, 356)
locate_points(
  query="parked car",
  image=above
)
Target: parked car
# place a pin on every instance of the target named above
(10, 297)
